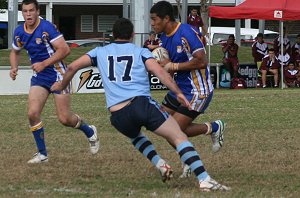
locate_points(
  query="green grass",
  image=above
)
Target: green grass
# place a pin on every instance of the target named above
(216, 55)
(260, 157)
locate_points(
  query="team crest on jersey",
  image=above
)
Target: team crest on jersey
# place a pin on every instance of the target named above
(179, 49)
(38, 41)
(45, 36)
(18, 41)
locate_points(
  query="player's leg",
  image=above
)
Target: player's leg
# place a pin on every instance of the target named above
(275, 73)
(145, 146)
(170, 130)
(264, 78)
(70, 119)
(37, 98)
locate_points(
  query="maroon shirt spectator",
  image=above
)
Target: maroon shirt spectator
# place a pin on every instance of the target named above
(296, 50)
(286, 43)
(230, 60)
(152, 42)
(259, 48)
(269, 65)
(291, 76)
(195, 20)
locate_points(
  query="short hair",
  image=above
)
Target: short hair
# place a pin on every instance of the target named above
(122, 29)
(298, 35)
(152, 32)
(163, 9)
(27, 2)
(271, 50)
(261, 35)
(231, 36)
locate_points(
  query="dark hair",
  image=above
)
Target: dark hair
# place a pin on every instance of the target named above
(27, 2)
(122, 29)
(298, 35)
(271, 50)
(163, 9)
(260, 35)
(231, 36)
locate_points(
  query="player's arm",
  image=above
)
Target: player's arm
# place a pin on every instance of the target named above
(166, 79)
(199, 61)
(14, 58)
(82, 62)
(62, 50)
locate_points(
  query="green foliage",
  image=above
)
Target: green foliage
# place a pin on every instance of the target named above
(3, 4)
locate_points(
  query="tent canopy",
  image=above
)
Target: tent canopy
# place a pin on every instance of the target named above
(262, 9)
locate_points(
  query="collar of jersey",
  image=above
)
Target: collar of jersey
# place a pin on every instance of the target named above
(121, 42)
(173, 32)
(30, 32)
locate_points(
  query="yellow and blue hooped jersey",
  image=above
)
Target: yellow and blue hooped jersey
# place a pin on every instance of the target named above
(181, 44)
(39, 48)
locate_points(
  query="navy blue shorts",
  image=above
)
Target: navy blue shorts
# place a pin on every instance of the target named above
(47, 85)
(141, 111)
(199, 104)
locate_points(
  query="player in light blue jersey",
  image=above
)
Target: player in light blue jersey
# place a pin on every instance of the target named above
(188, 60)
(46, 48)
(124, 69)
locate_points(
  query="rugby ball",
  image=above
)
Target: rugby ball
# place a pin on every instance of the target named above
(160, 54)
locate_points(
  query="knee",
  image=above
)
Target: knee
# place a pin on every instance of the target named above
(63, 119)
(33, 115)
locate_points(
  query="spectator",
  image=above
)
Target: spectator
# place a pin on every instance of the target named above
(291, 76)
(269, 65)
(230, 60)
(285, 58)
(152, 42)
(286, 43)
(195, 20)
(296, 50)
(259, 49)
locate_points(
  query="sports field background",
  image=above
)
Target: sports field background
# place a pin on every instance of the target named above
(260, 157)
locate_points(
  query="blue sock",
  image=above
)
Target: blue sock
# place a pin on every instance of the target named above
(189, 156)
(143, 144)
(38, 134)
(86, 129)
(214, 127)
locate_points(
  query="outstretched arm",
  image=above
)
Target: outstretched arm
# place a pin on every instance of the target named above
(82, 62)
(167, 80)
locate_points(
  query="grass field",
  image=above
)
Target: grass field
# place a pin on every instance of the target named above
(260, 157)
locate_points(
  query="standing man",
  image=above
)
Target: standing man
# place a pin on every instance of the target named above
(46, 48)
(189, 61)
(259, 49)
(296, 51)
(195, 20)
(124, 68)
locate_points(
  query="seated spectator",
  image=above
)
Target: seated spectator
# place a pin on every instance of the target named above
(230, 60)
(259, 49)
(269, 65)
(286, 43)
(284, 59)
(296, 50)
(152, 42)
(291, 76)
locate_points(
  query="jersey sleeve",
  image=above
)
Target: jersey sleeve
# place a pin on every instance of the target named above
(17, 44)
(52, 31)
(93, 56)
(191, 40)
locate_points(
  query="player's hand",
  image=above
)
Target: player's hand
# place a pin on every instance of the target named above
(57, 86)
(182, 99)
(38, 67)
(13, 73)
(166, 64)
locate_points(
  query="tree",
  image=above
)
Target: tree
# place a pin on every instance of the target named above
(204, 10)
(3, 4)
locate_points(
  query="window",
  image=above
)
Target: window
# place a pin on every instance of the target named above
(105, 22)
(87, 23)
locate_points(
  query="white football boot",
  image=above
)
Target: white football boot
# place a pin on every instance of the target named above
(186, 171)
(166, 172)
(38, 158)
(210, 184)
(94, 141)
(218, 136)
